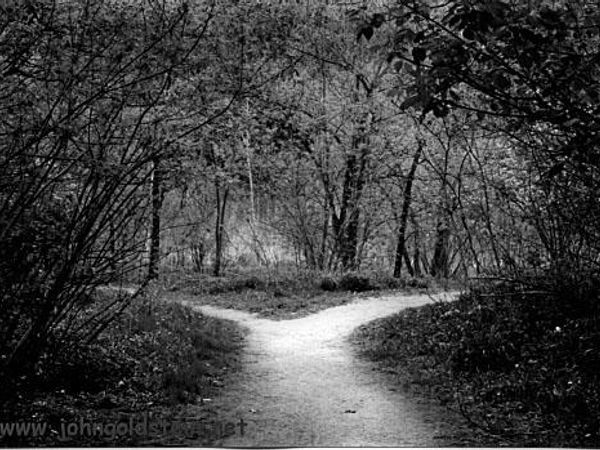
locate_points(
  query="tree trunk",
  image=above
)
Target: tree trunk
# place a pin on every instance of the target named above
(324, 234)
(198, 256)
(350, 210)
(409, 266)
(219, 227)
(439, 264)
(157, 199)
(417, 253)
(440, 260)
(401, 245)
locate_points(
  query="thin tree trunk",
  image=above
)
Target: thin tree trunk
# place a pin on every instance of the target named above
(353, 187)
(157, 199)
(400, 246)
(440, 260)
(219, 228)
(409, 267)
(417, 265)
(324, 234)
(439, 264)
(417, 252)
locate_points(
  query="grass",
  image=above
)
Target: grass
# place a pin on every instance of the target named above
(159, 359)
(288, 294)
(522, 369)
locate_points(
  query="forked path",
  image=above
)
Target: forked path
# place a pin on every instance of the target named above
(301, 384)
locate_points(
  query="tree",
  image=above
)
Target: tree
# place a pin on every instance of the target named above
(82, 86)
(527, 70)
(401, 252)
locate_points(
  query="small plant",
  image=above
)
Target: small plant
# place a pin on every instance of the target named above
(328, 284)
(418, 283)
(355, 283)
(385, 281)
(253, 282)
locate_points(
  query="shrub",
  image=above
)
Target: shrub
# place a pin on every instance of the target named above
(418, 283)
(84, 368)
(515, 363)
(355, 283)
(386, 281)
(253, 282)
(328, 284)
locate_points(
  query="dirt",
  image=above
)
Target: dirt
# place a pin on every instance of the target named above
(302, 385)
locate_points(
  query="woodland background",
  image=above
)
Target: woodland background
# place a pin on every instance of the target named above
(185, 143)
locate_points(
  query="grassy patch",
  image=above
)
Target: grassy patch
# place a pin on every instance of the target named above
(523, 368)
(272, 306)
(288, 294)
(159, 360)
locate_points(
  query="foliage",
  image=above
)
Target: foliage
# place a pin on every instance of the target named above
(103, 106)
(313, 165)
(238, 134)
(81, 83)
(328, 284)
(154, 358)
(355, 283)
(287, 293)
(527, 71)
(520, 366)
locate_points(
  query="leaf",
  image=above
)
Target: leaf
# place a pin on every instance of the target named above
(419, 37)
(419, 54)
(555, 170)
(440, 110)
(415, 100)
(394, 92)
(377, 20)
(502, 81)
(570, 123)
(468, 34)
(367, 32)
(392, 56)
(454, 95)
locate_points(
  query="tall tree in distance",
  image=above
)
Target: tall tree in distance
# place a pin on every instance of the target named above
(527, 70)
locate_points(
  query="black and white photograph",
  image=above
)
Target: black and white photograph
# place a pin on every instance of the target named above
(299, 223)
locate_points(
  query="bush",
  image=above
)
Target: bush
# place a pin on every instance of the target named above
(418, 283)
(355, 283)
(518, 364)
(219, 285)
(164, 346)
(82, 368)
(252, 282)
(385, 281)
(328, 284)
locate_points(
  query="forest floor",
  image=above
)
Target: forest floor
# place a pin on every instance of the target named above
(148, 380)
(266, 304)
(522, 367)
(281, 296)
(301, 384)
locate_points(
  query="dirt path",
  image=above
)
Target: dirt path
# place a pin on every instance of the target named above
(302, 386)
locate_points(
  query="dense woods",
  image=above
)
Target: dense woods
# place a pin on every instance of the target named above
(427, 139)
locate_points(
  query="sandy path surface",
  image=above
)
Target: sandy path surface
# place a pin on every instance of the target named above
(301, 385)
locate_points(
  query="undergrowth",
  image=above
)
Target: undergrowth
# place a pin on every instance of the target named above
(157, 358)
(291, 280)
(283, 294)
(522, 366)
